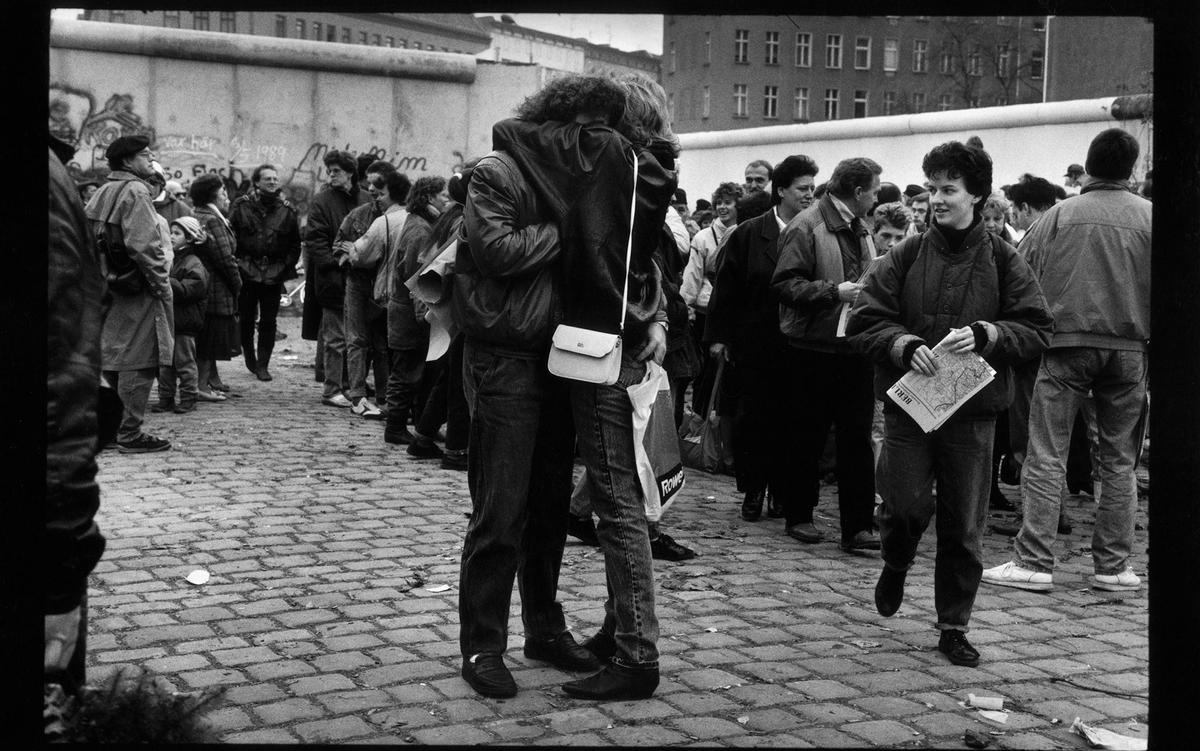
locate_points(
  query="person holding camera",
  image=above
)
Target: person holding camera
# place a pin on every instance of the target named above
(139, 331)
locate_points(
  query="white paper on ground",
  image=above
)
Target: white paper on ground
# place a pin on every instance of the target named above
(199, 576)
(1101, 738)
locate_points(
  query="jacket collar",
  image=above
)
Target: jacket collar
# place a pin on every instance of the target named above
(832, 217)
(977, 234)
(1097, 184)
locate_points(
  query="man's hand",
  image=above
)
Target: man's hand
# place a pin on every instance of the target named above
(62, 630)
(847, 291)
(959, 340)
(923, 361)
(718, 350)
(656, 344)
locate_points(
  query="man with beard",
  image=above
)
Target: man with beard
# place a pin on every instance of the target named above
(268, 245)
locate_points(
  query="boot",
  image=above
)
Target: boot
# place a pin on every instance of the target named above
(164, 404)
(264, 359)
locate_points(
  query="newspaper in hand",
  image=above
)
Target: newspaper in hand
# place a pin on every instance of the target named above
(931, 400)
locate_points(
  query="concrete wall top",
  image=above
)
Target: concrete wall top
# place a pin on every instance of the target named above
(220, 47)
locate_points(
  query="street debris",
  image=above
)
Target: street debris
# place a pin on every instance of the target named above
(864, 644)
(1101, 738)
(743, 719)
(985, 702)
(437, 588)
(198, 577)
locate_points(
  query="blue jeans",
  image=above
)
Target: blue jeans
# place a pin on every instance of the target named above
(957, 456)
(604, 424)
(366, 336)
(333, 335)
(1117, 380)
(519, 474)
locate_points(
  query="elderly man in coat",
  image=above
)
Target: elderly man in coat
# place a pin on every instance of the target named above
(138, 333)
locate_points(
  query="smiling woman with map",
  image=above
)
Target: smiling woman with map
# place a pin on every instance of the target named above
(967, 290)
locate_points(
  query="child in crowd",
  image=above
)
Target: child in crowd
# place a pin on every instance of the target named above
(995, 217)
(189, 283)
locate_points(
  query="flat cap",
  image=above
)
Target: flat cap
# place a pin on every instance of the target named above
(1074, 169)
(128, 146)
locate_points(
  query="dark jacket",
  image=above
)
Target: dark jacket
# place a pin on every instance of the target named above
(681, 360)
(325, 217)
(922, 290)
(813, 253)
(505, 277)
(583, 174)
(219, 256)
(74, 311)
(268, 237)
(743, 311)
(354, 226)
(405, 331)
(189, 283)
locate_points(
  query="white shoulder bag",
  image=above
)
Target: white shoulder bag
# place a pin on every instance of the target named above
(594, 356)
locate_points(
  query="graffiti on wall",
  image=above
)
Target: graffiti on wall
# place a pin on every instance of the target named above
(74, 118)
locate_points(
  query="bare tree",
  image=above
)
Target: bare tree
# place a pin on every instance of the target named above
(978, 58)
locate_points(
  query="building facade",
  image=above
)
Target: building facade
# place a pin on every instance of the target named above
(726, 72)
(1117, 54)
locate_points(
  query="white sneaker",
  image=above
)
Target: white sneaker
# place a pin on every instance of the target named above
(1011, 575)
(1126, 581)
(337, 400)
(364, 408)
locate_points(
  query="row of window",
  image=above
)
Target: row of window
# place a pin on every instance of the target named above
(329, 33)
(803, 54)
(201, 20)
(831, 102)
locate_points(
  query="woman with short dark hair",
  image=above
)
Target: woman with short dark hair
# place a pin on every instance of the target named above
(219, 339)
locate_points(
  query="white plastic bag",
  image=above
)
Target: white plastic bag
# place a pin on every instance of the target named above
(655, 442)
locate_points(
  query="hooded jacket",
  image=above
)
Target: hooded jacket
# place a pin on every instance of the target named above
(189, 285)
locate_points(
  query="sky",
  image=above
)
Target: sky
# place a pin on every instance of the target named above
(624, 31)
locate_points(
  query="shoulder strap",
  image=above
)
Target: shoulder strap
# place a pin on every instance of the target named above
(116, 201)
(1001, 260)
(629, 244)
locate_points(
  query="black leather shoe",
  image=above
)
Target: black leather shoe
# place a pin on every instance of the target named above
(399, 436)
(615, 683)
(423, 448)
(163, 405)
(455, 460)
(889, 591)
(999, 502)
(774, 506)
(664, 548)
(805, 532)
(752, 506)
(953, 643)
(562, 652)
(263, 374)
(1010, 472)
(602, 645)
(488, 675)
(863, 540)
(1064, 524)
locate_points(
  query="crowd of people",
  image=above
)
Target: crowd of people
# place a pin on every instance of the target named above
(814, 297)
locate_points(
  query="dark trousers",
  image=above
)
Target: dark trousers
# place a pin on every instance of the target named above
(703, 383)
(404, 376)
(956, 456)
(259, 301)
(761, 429)
(446, 402)
(831, 389)
(520, 459)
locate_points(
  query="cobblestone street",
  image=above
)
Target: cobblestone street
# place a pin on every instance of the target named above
(331, 611)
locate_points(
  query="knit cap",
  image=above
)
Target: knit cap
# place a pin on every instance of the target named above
(191, 229)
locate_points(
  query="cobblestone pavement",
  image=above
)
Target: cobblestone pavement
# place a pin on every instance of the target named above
(330, 615)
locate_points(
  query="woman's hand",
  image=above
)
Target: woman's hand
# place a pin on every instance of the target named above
(656, 344)
(959, 340)
(923, 361)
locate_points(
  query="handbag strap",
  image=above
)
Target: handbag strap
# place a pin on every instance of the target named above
(629, 245)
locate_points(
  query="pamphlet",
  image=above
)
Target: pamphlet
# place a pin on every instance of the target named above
(931, 400)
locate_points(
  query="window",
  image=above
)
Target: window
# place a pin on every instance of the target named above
(281, 26)
(944, 102)
(973, 101)
(975, 63)
(920, 56)
(362, 38)
(862, 53)
(739, 100)
(345, 35)
(770, 102)
(707, 47)
(330, 33)
(891, 55)
(1036, 64)
(803, 49)
(377, 40)
(404, 44)
(672, 67)
(171, 19)
(391, 42)
(889, 102)
(706, 103)
(801, 105)
(1000, 100)
(228, 22)
(200, 20)
(1003, 57)
(741, 46)
(301, 29)
(860, 103)
(772, 48)
(946, 62)
(317, 28)
(118, 16)
(833, 51)
(831, 104)
(918, 101)
(1039, 24)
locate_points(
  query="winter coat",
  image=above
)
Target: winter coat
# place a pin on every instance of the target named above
(702, 264)
(405, 330)
(506, 286)
(325, 217)
(1091, 255)
(743, 312)
(268, 238)
(74, 310)
(189, 284)
(920, 290)
(139, 330)
(218, 254)
(352, 228)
